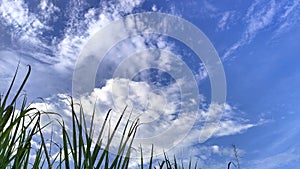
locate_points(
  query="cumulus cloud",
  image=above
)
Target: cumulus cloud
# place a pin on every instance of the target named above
(164, 122)
(156, 108)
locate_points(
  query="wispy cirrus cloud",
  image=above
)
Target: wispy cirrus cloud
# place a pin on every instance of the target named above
(278, 160)
(258, 17)
(226, 18)
(289, 18)
(278, 16)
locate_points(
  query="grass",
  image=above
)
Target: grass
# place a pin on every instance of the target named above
(20, 124)
(16, 131)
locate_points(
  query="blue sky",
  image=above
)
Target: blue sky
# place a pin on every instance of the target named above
(257, 42)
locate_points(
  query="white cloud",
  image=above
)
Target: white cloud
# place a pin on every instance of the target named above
(289, 18)
(281, 16)
(55, 55)
(31, 26)
(231, 128)
(210, 7)
(223, 22)
(202, 73)
(154, 8)
(259, 16)
(80, 31)
(207, 156)
(48, 9)
(128, 5)
(27, 27)
(277, 161)
(215, 148)
(15, 12)
(260, 20)
(290, 8)
(156, 108)
(231, 123)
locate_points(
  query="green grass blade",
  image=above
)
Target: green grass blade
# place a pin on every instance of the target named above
(65, 147)
(10, 87)
(151, 157)
(22, 85)
(175, 163)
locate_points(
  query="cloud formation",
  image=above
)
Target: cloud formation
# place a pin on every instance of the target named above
(49, 40)
(257, 18)
(159, 109)
(277, 161)
(280, 16)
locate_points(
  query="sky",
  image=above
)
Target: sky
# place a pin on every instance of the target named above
(166, 81)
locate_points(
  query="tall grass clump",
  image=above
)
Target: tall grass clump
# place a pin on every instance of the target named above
(79, 151)
(18, 124)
